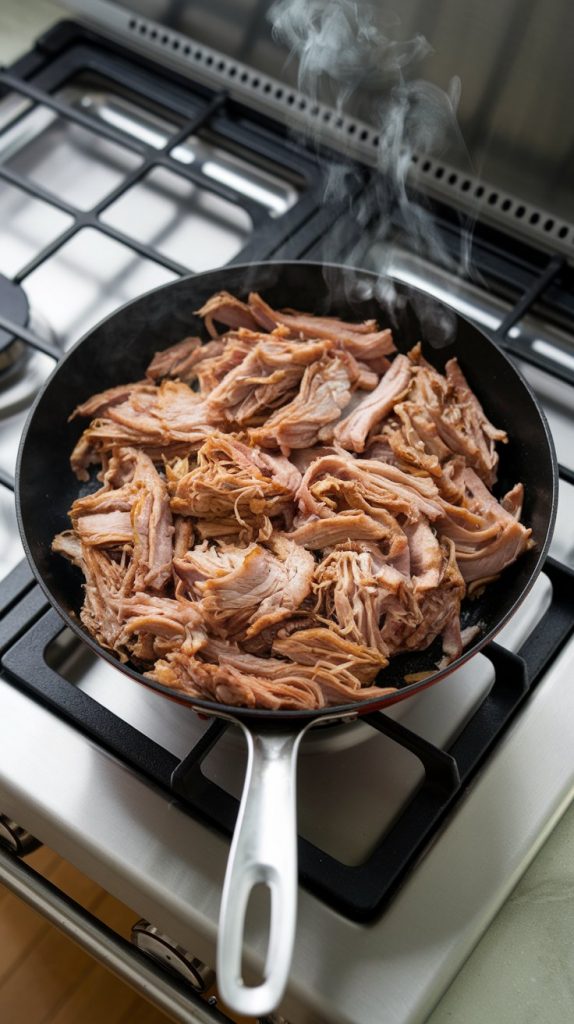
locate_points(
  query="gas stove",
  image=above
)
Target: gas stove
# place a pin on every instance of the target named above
(117, 176)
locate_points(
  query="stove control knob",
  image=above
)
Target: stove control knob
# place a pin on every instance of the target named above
(16, 838)
(161, 948)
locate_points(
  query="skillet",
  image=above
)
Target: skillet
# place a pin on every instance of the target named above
(118, 350)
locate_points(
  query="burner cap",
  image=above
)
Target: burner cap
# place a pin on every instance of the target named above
(22, 369)
(14, 305)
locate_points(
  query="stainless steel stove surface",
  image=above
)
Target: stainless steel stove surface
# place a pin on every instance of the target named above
(114, 179)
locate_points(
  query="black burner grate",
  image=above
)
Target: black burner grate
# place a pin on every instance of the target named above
(28, 626)
(194, 108)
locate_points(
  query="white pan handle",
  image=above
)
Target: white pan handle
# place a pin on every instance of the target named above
(264, 850)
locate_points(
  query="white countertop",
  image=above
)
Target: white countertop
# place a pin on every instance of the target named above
(522, 971)
(22, 21)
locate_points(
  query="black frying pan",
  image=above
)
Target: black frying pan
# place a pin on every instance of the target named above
(118, 350)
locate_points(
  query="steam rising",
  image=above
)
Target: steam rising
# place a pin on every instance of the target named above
(340, 40)
(344, 53)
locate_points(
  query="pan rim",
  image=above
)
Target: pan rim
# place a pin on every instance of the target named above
(265, 716)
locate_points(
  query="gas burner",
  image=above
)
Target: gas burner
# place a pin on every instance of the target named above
(22, 369)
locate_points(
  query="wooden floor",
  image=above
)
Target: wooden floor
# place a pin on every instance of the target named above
(45, 978)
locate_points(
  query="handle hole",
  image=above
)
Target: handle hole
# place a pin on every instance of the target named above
(256, 925)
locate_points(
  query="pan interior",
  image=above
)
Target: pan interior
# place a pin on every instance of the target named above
(119, 349)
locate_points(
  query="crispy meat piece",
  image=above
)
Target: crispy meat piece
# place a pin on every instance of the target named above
(324, 391)
(352, 432)
(345, 526)
(292, 687)
(183, 536)
(268, 376)
(225, 309)
(336, 482)
(441, 417)
(182, 361)
(211, 370)
(232, 483)
(480, 434)
(364, 341)
(69, 545)
(411, 443)
(162, 420)
(246, 590)
(98, 405)
(439, 610)
(425, 556)
(136, 515)
(322, 646)
(353, 586)
(483, 554)
(105, 529)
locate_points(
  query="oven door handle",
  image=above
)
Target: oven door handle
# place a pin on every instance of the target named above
(117, 954)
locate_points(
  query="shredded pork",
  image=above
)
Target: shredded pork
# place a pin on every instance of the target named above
(282, 509)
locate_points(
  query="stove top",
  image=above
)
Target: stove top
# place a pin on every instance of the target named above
(113, 179)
